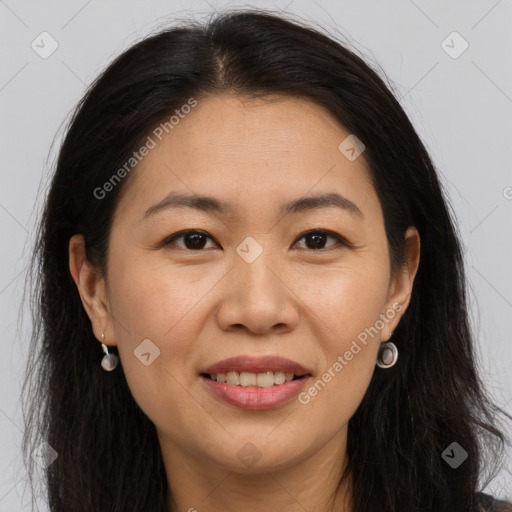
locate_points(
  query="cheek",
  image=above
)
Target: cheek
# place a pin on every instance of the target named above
(346, 299)
(154, 299)
(157, 343)
(149, 312)
(347, 306)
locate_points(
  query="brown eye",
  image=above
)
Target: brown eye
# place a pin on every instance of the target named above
(192, 240)
(316, 239)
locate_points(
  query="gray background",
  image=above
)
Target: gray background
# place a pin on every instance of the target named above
(461, 107)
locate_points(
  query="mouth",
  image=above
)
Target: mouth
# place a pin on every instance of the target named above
(255, 383)
(265, 394)
(251, 371)
(251, 379)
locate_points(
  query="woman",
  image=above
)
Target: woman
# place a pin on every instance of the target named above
(250, 290)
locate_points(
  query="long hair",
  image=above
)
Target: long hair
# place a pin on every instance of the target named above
(108, 453)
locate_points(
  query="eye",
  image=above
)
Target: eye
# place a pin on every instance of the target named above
(195, 240)
(318, 238)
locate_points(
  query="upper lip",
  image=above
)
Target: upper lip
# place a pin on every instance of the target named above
(246, 363)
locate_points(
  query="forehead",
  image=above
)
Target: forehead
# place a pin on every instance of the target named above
(244, 150)
(275, 123)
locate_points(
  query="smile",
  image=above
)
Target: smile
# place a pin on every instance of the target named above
(255, 391)
(248, 379)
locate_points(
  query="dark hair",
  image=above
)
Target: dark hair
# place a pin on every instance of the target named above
(409, 415)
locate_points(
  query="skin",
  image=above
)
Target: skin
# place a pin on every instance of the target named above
(199, 306)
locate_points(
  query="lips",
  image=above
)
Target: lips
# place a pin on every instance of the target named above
(257, 365)
(246, 389)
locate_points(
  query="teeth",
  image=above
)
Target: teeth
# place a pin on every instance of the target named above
(279, 378)
(246, 379)
(265, 380)
(233, 378)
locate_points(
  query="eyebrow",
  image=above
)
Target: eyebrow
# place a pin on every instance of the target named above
(212, 204)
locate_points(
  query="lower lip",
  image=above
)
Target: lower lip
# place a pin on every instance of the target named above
(255, 398)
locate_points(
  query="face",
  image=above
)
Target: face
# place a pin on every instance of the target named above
(310, 284)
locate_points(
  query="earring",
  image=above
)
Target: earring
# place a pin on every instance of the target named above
(388, 354)
(109, 361)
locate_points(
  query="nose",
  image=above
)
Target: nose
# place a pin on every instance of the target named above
(258, 297)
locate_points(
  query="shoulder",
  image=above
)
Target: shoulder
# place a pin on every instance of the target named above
(486, 503)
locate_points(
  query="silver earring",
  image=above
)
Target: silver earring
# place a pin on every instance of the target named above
(109, 361)
(388, 354)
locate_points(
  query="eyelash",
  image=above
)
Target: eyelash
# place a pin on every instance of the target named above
(341, 240)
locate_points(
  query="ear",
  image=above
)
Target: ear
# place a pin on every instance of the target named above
(400, 288)
(91, 287)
